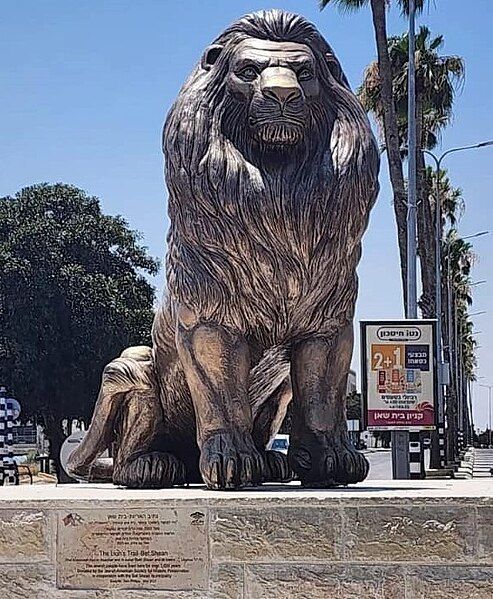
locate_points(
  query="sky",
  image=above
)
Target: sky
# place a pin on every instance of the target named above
(85, 87)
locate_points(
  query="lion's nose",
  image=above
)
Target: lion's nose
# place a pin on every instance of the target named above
(280, 84)
(281, 93)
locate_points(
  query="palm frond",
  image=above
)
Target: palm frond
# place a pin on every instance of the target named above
(344, 5)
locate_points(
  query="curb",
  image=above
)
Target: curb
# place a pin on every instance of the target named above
(466, 467)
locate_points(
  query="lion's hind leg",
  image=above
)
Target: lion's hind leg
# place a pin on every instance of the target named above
(130, 374)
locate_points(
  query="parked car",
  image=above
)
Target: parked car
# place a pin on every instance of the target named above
(280, 443)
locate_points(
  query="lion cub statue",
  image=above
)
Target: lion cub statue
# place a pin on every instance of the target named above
(272, 170)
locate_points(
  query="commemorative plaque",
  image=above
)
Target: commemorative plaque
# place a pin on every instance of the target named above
(133, 549)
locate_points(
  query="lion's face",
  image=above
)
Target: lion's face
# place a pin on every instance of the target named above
(275, 82)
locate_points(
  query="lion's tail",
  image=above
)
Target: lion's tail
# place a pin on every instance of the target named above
(131, 371)
(268, 376)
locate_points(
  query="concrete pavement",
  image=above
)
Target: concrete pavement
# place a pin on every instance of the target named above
(483, 463)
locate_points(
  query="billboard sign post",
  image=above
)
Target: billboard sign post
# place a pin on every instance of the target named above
(399, 374)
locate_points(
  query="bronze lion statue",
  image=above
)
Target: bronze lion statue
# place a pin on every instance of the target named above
(272, 170)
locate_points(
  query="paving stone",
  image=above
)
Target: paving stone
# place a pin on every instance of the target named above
(485, 534)
(416, 533)
(265, 533)
(24, 536)
(320, 581)
(445, 582)
(226, 582)
(37, 581)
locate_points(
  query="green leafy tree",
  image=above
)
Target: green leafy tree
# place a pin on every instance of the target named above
(73, 295)
(353, 406)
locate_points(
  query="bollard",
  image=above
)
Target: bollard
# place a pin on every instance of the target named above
(415, 456)
(8, 468)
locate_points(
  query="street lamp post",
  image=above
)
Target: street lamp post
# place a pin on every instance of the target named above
(489, 387)
(412, 298)
(401, 439)
(438, 291)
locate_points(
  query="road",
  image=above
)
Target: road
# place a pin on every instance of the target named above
(381, 464)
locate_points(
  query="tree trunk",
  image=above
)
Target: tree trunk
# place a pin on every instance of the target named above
(394, 159)
(426, 244)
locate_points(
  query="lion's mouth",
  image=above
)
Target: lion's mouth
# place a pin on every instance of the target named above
(280, 133)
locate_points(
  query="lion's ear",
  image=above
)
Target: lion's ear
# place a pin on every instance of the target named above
(336, 69)
(210, 56)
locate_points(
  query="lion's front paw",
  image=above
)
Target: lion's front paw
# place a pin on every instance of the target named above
(326, 461)
(230, 461)
(276, 467)
(154, 470)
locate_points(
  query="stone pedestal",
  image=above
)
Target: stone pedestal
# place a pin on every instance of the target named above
(397, 539)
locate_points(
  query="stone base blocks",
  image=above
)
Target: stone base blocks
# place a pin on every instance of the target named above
(387, 540)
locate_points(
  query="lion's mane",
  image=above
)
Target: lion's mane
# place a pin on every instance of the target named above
(268, 249)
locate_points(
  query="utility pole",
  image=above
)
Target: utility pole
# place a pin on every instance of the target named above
(412, 299)
(401, 439)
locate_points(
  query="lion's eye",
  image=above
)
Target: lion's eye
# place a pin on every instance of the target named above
(305, 75)
(248, 74)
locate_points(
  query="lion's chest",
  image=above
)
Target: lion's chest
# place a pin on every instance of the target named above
(290, 281)
(274, 268)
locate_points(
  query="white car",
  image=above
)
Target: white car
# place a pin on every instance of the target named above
(280, 443)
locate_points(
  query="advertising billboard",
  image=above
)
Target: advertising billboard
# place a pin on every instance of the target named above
(398, 370)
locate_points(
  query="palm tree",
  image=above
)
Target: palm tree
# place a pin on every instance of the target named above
(452, 201)
(458, 262)
(436, 81)
(389, 117)
(437, 78)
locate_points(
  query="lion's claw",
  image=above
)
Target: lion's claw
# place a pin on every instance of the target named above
(276, 467)
(154, 470)
(230, 461)
(322, 461)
